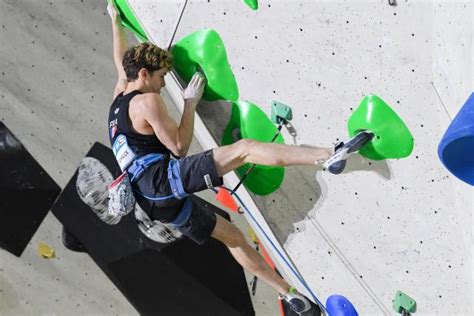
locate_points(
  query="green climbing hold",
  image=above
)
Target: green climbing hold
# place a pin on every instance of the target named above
(205, 51)
(392, 137)
(249, 121)
(253, 4)
(129, 20)
(403, 303)
(281, 112)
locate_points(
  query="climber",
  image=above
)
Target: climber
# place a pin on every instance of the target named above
(145, 138)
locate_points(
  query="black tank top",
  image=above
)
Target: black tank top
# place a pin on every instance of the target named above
(119, 123)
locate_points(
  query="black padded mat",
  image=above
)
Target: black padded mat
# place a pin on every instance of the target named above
(26, 193)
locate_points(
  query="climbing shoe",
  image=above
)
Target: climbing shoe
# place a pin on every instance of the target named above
(337, 162)
(297, 301)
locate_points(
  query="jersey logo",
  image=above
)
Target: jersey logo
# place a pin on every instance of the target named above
(113, 128)
(113, 131)
(113, 123)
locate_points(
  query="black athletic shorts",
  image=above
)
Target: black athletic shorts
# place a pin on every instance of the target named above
(195, 170)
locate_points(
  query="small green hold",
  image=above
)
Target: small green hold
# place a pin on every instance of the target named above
(129, 20)
(281, 112)
(249, 121)
(253, 4)
(205, 51)
(403, 303)
(392, 137)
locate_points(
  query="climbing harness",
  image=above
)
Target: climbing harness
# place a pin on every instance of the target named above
(121, 199)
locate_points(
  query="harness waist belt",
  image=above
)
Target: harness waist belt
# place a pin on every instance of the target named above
(139, 165)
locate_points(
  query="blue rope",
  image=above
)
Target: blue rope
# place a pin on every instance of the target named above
(295, 272)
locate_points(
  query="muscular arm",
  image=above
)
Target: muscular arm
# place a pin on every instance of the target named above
(176, 138)
(120, 47)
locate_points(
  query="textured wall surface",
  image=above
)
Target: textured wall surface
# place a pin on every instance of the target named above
(452, 62)
(380, 226)
(160, 18)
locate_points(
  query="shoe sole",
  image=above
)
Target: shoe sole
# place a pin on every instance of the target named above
(358, 141)
(351, 147)
(337, 157)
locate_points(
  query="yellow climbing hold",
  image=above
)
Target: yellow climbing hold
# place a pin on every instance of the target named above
(45, 251)
(253, 236)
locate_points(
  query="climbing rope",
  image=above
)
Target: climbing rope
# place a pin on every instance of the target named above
(274, 247)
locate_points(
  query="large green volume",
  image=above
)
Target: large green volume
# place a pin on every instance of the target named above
(129, 20)
(205, 51)
(392, 137)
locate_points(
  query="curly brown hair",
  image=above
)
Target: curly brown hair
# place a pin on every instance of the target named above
(148, 56)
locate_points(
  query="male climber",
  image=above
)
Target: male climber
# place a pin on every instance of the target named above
(140, 126)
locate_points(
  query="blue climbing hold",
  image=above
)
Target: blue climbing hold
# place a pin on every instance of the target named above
(456, 149)
(338, 305)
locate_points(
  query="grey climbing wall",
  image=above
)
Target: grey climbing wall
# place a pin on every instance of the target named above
(381, 226)
(452, 62)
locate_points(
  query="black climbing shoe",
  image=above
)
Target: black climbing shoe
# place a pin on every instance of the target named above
(337, 162)
(299, 304)
(71, 242)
